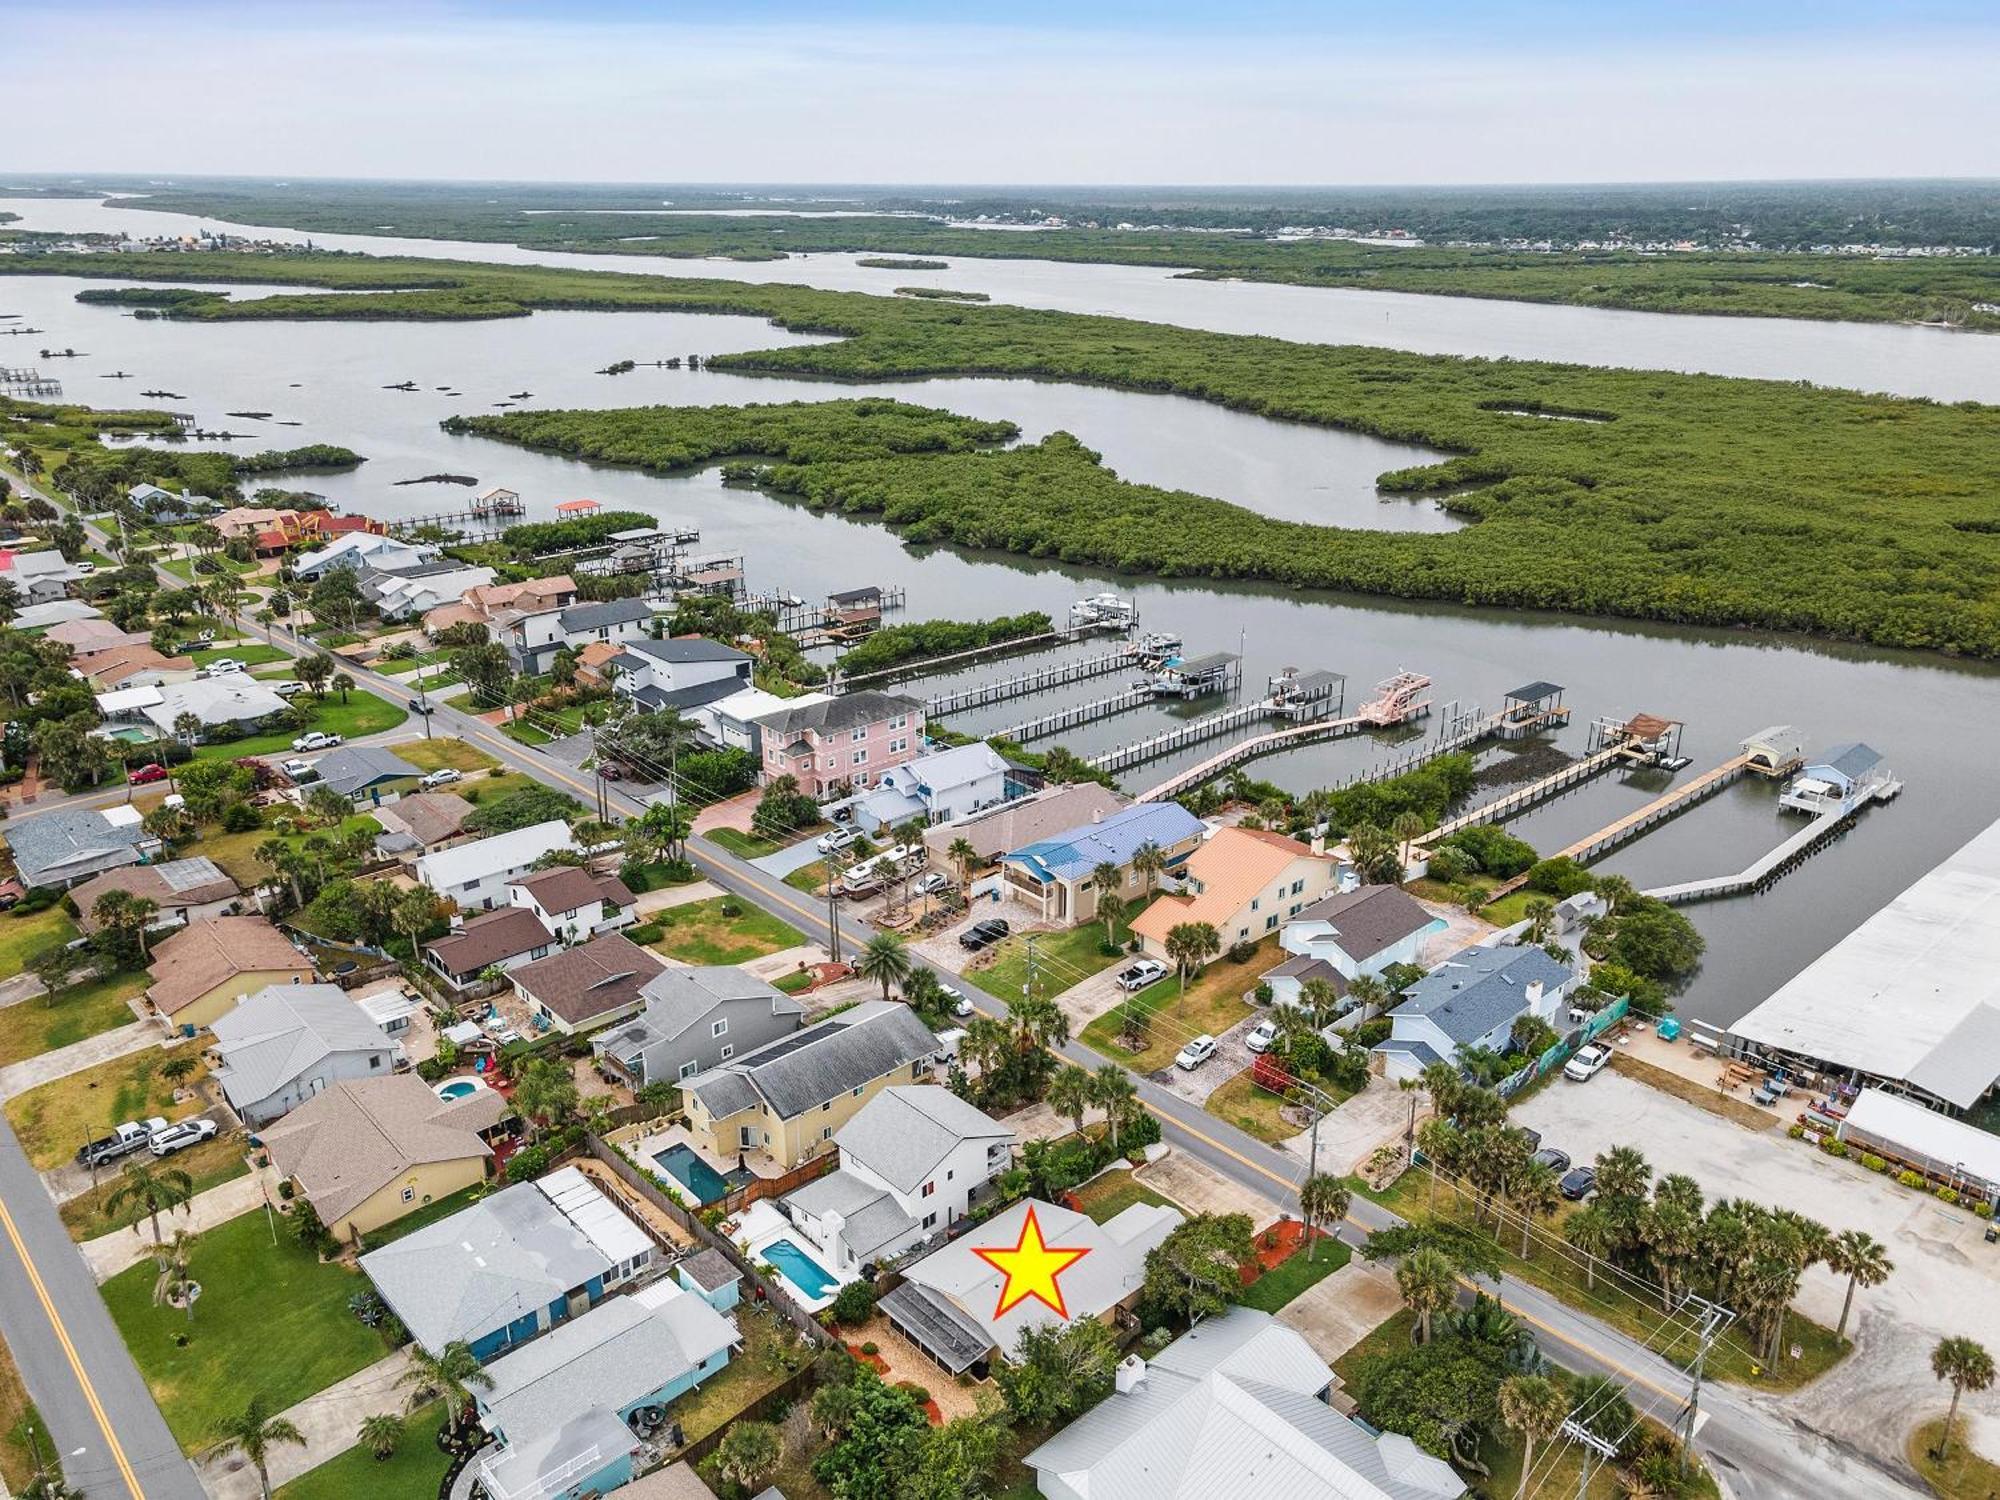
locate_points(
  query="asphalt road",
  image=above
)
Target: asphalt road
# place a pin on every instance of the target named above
(1757, 1450)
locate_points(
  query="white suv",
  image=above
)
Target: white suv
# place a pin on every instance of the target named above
(1195, 1053)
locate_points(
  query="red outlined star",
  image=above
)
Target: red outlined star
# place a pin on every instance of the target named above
(1031, 1267)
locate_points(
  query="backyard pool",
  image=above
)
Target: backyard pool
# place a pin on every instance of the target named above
(459, 1088)
(800, 1269)
(691, 1172)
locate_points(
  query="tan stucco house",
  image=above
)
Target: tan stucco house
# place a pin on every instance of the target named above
(204, 969)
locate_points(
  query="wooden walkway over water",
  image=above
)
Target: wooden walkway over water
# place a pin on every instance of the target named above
(1075, 714)
(1262, 744)
(925, 666)
(1781, 861)
(1522, 798)
(1022, 684)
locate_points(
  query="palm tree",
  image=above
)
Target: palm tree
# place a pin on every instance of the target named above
(253, 1432)
(1114, 1092)
(1323, 1199)
(1968, 1367)
(1862, 1259)
(1591, 1230)
(1536, 1194)
(1408, 827)
(1428, 1282)
(546, 1092)
(886, 960)
(1541, 914)
(174, 1283)
(1439, 1140)
(1149, 863)
(452, 1374)
(1038, 1023)
(1671, 1231)
(145, 1191)
(1189, 945)
(1622, 1173)
(342, 684)
(1106, 879)
(1615, 891)
(1071, 1093)
(1535, 1407)
(187, 728)
(1320, 1000)
(381, 1434)
(962, 854)
(1367, 994)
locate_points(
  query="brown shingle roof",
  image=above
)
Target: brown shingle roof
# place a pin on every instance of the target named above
(358, 1136)
(590, 980)
(1368, 920)
(499, 935)
(149, 882)
(428, 817)
(203, 955)
(566, 887)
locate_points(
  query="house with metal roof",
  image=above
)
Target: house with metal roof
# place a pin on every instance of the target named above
(288, 1042)
(1833, 779)
(913, 1160)
(1472, 999)
(939, 786)
(511, 1266)
(786, 1099)
(693, 1019)
(567, 1412)
(67, 844)
(236, 700)
(1055, 874)
(1237, 1407)
(946, 1303)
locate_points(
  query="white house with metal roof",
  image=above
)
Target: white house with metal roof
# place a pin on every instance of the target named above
(1234, 1409)
(940, 786)
(287, 1042)
(477, 875)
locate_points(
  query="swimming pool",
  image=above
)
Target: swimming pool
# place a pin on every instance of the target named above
(691, 1172)
(458, 1088)
(800, 1269)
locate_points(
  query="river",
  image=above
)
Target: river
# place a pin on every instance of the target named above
(1930, 717)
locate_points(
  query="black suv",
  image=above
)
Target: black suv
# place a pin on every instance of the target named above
(983, 934)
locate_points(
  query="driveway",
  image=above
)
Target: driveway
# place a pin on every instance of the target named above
(328, 1421)
(1377, 1115)
(1232, 1056)
(1336, 1314)
(1200, 1189)
(1946, 1281)
(797, 857)
(109, 1254)
(1090, 998)
(649, 902)
(120, 1041)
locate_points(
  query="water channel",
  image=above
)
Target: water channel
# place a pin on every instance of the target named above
(1930, 717)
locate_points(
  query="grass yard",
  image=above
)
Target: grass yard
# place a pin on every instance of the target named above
(17, 1454)
(442, 753)
(412, 1472)
(771, 1353)
(1730, 1360)
(1213, 1003)
(255, 654)
(22, 937)
(37, 1026)
(58, 1117)
(210, 1164)
(1106, 1196)
(1062, 959)
(404, 665)
(487, 788)
(1963, 1475)
(808, 878)
(1252, 1110)
(699, 932)
(271, 1320)
(755, 845)
(1293, 1275)
(363, 713)
(524, 733)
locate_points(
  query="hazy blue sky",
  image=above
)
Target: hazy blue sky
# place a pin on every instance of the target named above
(1035, 91)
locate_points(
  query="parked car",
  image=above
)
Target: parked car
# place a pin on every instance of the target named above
(836, 840)
(180, 1137)
(1587, 1063)
(1195, 1053)
(123, 1141)
(316, 741)
(443, 776)
(1262, 1035)
(1579, 1184)
(291, 687)
(11, 892)
(929, 884)
(146, 775)
(961, 1007)
(85, 569)
(205, 638)
(983, 934)
(298, 770)
(1137, 976)
(1556, 1161)
(420, 706)
(222, 666)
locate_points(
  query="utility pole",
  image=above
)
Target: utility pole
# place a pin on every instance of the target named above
(1594, 1447)
(835, 864)
(1714, 1318)
(1028, 989)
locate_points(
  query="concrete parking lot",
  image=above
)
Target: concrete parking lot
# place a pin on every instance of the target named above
(1946, 1281)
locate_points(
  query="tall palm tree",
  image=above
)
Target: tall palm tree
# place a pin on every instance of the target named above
(1862, 1259)
(1114, 1092)
(253, 1432)
(1623, 1173)
(1149, 863)
(1071, 1093)
(1038, 1022)
(962, 854)
(342, 684)
(145, 1191)
(1536, 1193)
(1541, 914)
(1190, 945)
(1320, 1000)
(1408, 827)
(452, 1374)
(1535, 1407)
(1968, 1367)
(1439, 1140)
(886, 960)
(1671, 1232)
(1591, 1230)
(1369, 995)
(174, 1282)
(1323, 1199)
(1428, 1282)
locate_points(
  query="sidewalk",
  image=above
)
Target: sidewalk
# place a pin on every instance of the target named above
(111, 1253)
(31, 1072)
(328, 1420)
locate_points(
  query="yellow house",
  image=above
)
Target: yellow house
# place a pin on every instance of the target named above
(367, 1151)
(204, 969)
(787, 1098)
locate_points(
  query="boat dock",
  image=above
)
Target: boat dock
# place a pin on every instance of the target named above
(28, 382)
(1198, 676)
(928, 665)
(1021, 684)
(1788, 856)
(1522, 798)
(1250, 749)
(490, 509)
(1075, 714)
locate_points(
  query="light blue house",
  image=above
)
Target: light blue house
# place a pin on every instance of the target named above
(1472, 999)
(568, 1413)
(511, 1266)
(1054, 873)
(710, 1276)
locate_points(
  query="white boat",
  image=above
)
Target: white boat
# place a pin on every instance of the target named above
(1103, 609)
(1156, 645)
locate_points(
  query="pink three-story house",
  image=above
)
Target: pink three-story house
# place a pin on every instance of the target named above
(841, 742)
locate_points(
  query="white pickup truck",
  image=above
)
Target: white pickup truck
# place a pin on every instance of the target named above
(123, 1141)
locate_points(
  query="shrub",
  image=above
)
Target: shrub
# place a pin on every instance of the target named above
(1242, 952)
(1983, 1209)
(914, 1391)
(871, 1348)
(854, 1304)
(1797, 1132)
(286, 1189)
(731, 907)
(1873, 1162)
(1263, 992)
(1833, 1147)
(1947, 1195)
(241, 818)
(1910, 1179)
(646, 933)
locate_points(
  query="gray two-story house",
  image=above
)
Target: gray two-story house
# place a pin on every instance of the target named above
(696, 1019)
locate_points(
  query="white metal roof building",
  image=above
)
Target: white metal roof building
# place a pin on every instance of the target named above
(1909, 1000)
(1951, 1150)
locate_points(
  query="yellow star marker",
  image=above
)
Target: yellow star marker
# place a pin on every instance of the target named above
(1031, 1268)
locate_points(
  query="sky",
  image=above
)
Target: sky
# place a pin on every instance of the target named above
(1037, 91)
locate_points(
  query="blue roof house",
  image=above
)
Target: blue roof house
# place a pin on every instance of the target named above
(1472, 999)
(1833, 779)
(1054, 874)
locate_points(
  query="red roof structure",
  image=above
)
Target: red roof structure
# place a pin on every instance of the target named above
(577, 507)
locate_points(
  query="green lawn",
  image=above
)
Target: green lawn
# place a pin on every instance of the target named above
(487, 788)
(443, 752)
(699, 933)
(1259, 1112)
(1213, 1003)
(210, 1164)
(524, 733)
(1963, 1474)
(37, 1026)
(58, 1117)
(22, 937)
(271, 1321)
(792, 983)
(255, 654)
(430, 1213)
(408, 664)
(1107, 1196)
(1291, 1277)
(755, 845)
(236, 852)
(17, 1453)
(1064, 958)
(808, 878)
(412, 1472)
(363, 713)
(770, 1353)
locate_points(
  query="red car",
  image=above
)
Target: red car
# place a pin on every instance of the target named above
(146, 775)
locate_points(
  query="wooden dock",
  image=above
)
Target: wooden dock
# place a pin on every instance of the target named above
(1080, 713)
(1522, 798)
(1781, 861)
(925, 666)
(28, 382)
(1021, 684)
(1250, 749)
